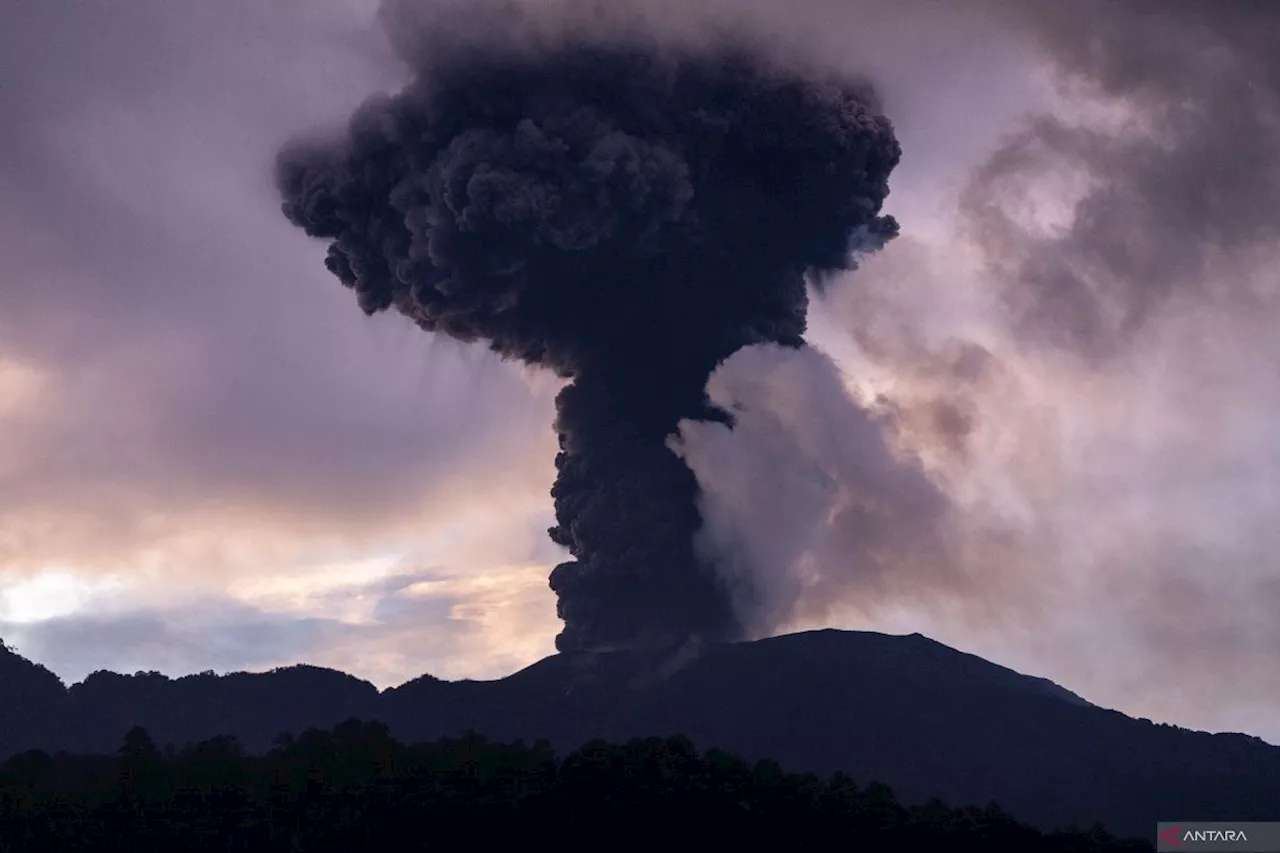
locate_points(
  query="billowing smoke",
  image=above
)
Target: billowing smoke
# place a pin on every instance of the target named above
(807, 505)
(627, 215)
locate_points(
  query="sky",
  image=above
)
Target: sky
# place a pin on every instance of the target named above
(210, 459)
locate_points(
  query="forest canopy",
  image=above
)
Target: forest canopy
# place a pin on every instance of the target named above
(357, 787)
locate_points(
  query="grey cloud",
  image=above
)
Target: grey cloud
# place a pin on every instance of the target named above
(1174, 195)
(906, 313)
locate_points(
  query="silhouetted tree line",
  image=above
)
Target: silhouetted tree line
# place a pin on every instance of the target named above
(355, 787)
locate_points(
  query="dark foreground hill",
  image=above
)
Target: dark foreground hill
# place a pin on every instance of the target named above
(924, 718)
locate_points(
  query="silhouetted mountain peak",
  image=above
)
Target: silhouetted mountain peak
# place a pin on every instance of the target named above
(925, 718)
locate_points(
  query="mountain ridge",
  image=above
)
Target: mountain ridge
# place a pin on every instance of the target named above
(927, 719)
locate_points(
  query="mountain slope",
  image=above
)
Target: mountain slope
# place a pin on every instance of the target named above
(925, 718)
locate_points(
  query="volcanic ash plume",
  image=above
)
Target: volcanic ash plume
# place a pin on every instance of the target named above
(627, 216)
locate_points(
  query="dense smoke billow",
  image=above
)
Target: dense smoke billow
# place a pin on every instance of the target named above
(628, 215)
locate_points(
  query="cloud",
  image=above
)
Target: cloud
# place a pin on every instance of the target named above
(1170, 172)
(159, 380)
(388, 629)
(173, 429)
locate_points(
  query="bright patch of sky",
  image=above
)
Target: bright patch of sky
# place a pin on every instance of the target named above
(52, 595)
